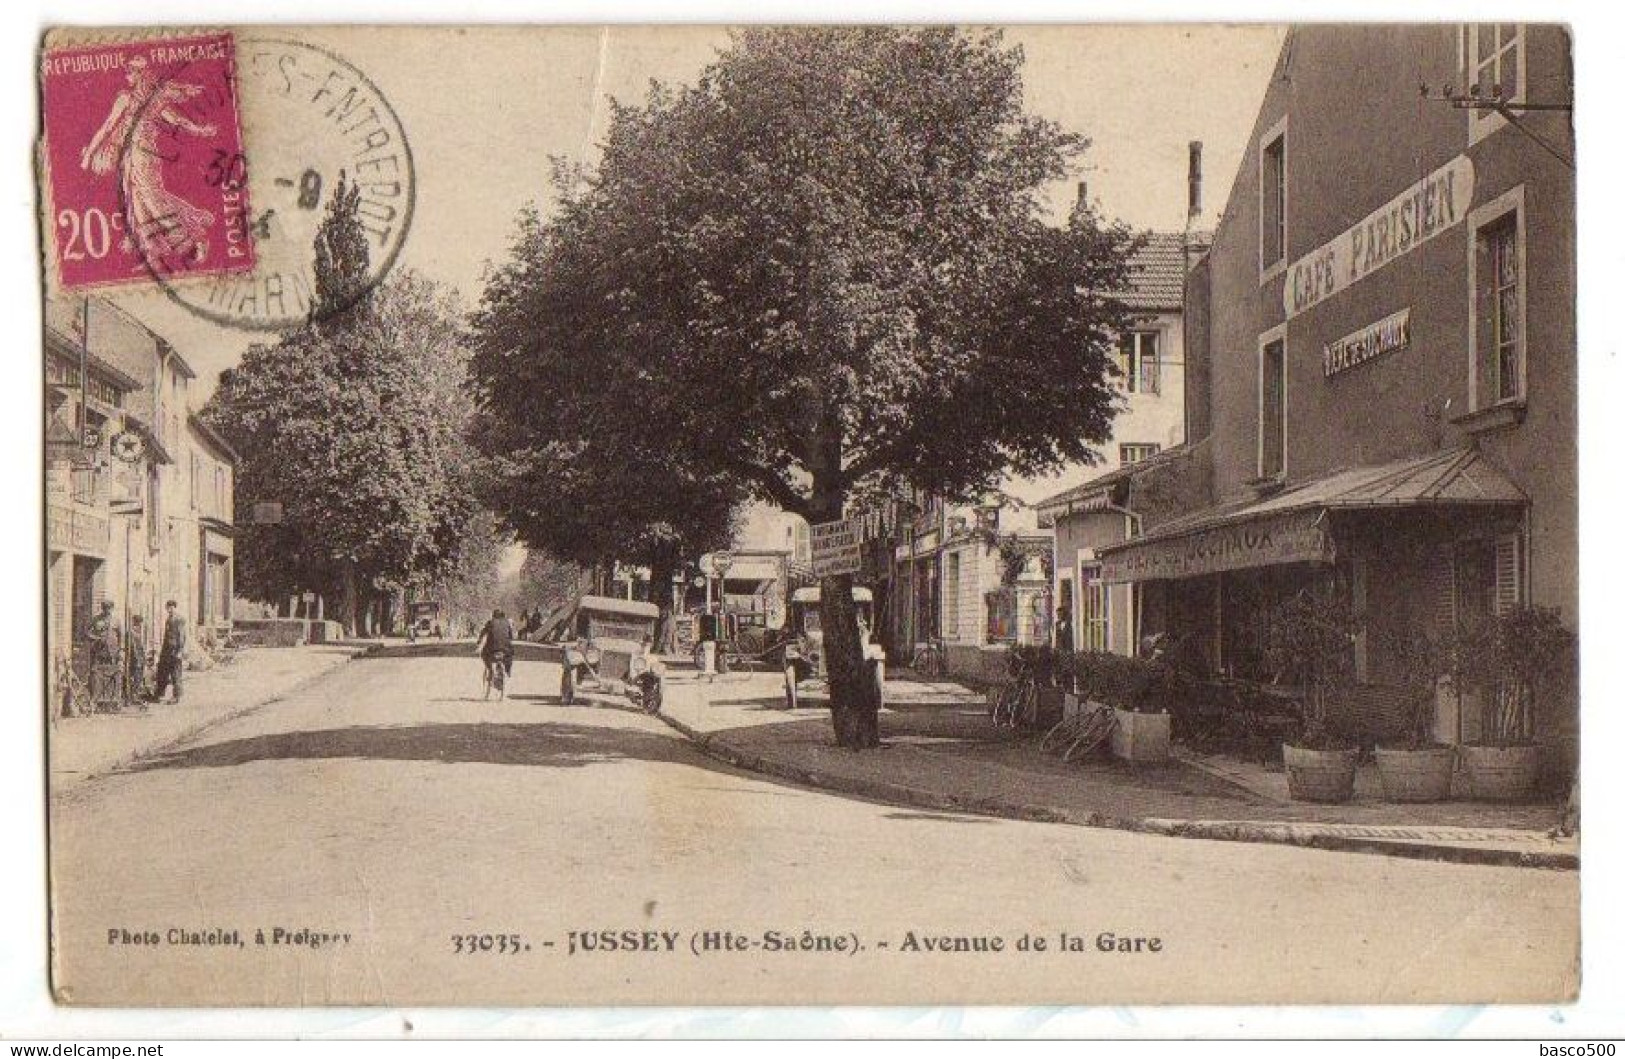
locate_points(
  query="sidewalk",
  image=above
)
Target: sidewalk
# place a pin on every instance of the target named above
(81, 747)
(940, 751)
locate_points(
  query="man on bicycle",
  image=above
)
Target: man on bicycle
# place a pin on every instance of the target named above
(495, 643)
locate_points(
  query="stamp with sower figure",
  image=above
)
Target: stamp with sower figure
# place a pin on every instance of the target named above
(144, 153)
(202, 165)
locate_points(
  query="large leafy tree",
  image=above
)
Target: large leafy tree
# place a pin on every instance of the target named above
(825, 269)
(356, 424)
(577, 462)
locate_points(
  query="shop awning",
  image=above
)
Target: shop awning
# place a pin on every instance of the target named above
(1292, 526)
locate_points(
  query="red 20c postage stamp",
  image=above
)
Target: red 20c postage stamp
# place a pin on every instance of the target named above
(144, 152)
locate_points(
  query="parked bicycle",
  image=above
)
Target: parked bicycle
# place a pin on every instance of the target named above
(1080, 734)
(1018, 699)
(104, 687)
(930, 659)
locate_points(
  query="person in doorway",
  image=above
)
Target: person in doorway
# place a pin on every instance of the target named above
(104, 643)
(1063, 628)
(171, 653)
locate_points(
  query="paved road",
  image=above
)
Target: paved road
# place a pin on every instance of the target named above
(389, 804)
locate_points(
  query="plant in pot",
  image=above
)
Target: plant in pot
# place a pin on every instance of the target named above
(1515, 661)
(1309, 643)
(1144, 728)
(1416, 767)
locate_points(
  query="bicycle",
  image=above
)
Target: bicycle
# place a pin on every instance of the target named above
(72, 696)
(1081, 733)
(1016, 700)
(496, 676)
(930, 659)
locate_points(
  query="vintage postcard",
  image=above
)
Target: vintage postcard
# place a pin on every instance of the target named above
(602, 516)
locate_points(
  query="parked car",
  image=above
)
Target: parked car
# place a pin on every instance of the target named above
(806, 674)
(423, 619)
(612, 652)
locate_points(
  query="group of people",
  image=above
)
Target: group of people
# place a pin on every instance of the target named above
(105, 647)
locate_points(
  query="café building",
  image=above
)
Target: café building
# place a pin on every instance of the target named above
(1381, 361)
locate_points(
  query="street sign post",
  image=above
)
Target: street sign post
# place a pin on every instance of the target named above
(837, 547)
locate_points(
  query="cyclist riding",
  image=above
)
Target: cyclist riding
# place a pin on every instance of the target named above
(495, 648)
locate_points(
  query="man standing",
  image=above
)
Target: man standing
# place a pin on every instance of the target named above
(104, 654)
(171, 653)
(1063, 628)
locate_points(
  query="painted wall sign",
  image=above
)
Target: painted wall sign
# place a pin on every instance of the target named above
(1434, 204)
(1368, 343)
(1298, 537)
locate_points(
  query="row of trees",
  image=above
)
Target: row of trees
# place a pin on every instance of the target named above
(818, 275)
(357, 426)
(822, 273)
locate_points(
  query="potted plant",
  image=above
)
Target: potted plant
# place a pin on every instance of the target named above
(1517, 660)
(1309, 643)
(1417, 768)
(1144, 728)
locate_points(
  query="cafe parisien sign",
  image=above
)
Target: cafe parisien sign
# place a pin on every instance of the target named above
(1434, 204)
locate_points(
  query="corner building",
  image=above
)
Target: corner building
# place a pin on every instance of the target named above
(1381, 356)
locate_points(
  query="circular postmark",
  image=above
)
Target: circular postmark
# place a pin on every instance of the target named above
(312, 126)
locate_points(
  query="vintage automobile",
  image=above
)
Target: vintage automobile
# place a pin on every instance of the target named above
(423, 619)
(611, 652)
(806, 680)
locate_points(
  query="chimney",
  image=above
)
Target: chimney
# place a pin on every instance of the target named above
(1083, 195)
(1195, 209)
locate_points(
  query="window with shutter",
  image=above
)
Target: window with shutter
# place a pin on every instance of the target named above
(1508, 572)
(1442, 587)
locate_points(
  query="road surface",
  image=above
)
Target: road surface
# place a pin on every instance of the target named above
(393, 839)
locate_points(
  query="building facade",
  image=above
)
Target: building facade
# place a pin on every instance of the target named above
(994, 574)
(1382, 356)
(139, 491)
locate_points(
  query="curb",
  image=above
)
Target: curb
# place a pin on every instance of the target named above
(713, 745)
(200, 727)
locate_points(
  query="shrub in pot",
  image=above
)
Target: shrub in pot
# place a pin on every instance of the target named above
(1309, 642)
(1144, 726)
(1417, 768)
(1519, 660)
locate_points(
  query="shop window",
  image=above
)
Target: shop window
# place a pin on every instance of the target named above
(1494, 69)
(1272, 202)
(1139, 360)
(1135, 451)
(1272, 409)
(950, 598)
(1093, 627)
(1001, 615)
(1499, 285)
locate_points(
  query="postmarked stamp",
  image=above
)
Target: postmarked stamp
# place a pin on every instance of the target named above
(313, 122)
(144, 151)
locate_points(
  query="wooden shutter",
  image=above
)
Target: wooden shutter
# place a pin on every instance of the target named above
(1508, 572)
(1442, 588)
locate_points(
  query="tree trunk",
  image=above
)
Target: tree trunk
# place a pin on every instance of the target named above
(660, 573)
(352, 602)
(854, 704)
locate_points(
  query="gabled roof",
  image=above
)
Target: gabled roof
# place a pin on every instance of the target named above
(1092, 494)
(1157, 270)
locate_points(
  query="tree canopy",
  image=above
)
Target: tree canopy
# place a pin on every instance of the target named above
(824, 271)
(837, 235)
